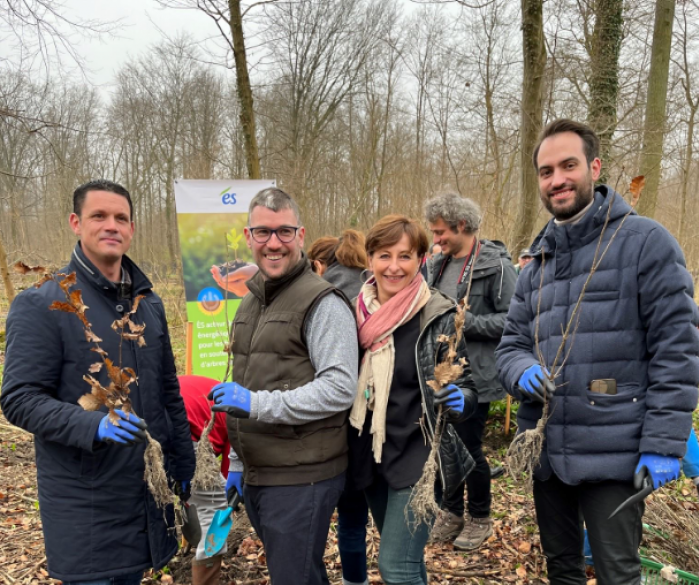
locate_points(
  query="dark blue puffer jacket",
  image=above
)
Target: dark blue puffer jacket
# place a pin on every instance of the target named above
(99, 519)
(637, 325)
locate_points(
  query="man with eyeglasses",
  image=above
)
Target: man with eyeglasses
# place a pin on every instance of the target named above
(294, 377)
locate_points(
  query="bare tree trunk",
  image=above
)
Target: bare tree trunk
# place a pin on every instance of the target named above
(242, 77)
(654, 129)
(686, 170)
(494, 148)
(5, 274)
(693, 104)
(534, 52)
(604, 81)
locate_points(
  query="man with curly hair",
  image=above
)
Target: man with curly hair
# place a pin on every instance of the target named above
(482, 272)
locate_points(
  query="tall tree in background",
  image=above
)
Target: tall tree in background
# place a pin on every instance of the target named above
(688, 72)
(604, 78)
(654, 129)
(228, 17)
(247, 111)
(534, 53)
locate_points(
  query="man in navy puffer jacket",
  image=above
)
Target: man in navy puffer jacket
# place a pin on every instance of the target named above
(621, 404)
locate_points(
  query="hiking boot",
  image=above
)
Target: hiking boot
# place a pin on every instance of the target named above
(475, 531)
(497, 471)
(446, 527)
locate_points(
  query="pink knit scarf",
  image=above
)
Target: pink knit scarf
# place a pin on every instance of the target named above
(375, 324)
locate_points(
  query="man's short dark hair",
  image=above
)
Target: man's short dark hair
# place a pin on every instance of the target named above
(587, 135)
(274, 199)
(99, 185)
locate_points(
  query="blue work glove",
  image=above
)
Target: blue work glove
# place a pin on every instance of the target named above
(660, 468)
(535, 384)
(231, 398)
(452, 398)
(234, 482)
(690, 463)
(131, 429)
(183, 490)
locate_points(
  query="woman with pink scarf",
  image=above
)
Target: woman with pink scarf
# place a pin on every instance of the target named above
(400, 323)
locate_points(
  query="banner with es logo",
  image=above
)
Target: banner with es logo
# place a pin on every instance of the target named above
(216, 263)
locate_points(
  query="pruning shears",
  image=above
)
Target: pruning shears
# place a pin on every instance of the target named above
(639, 496)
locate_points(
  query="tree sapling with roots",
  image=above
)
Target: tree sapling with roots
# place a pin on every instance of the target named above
(116, 394)
(206, 473)
(422, 500)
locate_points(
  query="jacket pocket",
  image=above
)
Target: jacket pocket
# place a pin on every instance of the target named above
(627, 406)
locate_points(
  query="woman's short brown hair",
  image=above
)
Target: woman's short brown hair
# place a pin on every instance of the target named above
(347, 250)
(389, 230)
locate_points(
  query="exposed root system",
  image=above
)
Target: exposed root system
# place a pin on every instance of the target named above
(422, 506)
(155, 475)
(524, 453)
(207, 472)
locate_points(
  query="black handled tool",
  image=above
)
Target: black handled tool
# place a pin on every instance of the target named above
(637, 497)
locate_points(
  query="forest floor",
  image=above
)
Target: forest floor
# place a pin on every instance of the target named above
(512, 555)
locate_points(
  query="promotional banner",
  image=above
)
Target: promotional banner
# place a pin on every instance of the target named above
(216, 262)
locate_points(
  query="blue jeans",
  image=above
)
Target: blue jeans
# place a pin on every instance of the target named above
(401, 552)
(129, 579)
(352, 518)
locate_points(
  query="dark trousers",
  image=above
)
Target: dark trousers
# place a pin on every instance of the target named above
(292, 523)
(561, 510)
(478, 481)
(352, 518)
(130, 579)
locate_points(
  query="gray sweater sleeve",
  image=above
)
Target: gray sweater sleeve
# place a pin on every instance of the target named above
(331, 335)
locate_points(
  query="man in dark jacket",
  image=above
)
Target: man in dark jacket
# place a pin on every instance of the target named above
(100, 522)
(295, 376)
(487, 266)
(621, 388)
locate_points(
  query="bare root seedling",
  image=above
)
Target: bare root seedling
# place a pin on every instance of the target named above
(116, 394)
(422, 501)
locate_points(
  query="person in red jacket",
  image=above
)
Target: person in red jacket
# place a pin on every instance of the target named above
(206, 570)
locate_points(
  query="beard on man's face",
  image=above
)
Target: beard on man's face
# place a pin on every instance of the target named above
(584, 194)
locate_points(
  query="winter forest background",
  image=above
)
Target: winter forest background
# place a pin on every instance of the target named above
(358, 109)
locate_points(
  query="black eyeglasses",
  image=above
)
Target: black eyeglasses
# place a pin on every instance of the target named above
(285, 234)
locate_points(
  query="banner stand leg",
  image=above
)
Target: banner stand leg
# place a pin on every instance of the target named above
(188, 349)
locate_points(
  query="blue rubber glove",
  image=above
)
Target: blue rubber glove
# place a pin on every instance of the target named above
(690, 462)
(535, 384)
(183, 490)
(131, 429)
(234, 482)
(660, 468)
(452, 398)
(231, 398)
